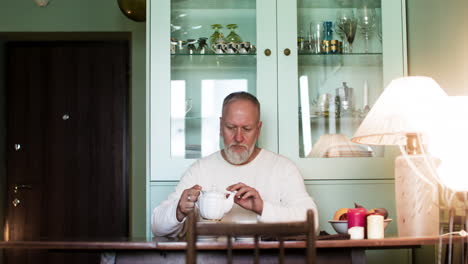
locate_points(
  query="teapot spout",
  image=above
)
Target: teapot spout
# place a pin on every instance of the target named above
(229, 202)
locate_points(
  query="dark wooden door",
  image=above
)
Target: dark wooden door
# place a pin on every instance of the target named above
(67, 135)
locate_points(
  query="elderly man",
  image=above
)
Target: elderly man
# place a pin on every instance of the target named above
(267, 184)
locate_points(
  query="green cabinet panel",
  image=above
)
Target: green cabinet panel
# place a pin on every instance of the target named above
(159, 191)
(332, 195)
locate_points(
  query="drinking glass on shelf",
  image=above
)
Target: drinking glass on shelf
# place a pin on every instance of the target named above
(216, 36)
(347, 23)
(316, 36)
(233, 37)
(340, 33)
(188, 105)
(366, 23)
(379, 27)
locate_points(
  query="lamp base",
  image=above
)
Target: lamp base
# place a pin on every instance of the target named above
(417, 202)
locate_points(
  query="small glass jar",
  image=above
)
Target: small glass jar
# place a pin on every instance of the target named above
(334, 46)
(191, 48)
(300, 44)
(326, 47)
(202, 46)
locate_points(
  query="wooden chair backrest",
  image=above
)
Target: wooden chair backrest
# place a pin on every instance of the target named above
(279, 230)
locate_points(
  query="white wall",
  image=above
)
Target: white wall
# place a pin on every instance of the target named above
(437, 42)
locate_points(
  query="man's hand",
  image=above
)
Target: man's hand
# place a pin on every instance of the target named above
(247, 197)
(187, 201)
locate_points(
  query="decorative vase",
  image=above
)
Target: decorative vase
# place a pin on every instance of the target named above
(416, 201)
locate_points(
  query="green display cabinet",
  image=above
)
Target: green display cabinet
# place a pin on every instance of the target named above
(307, 91)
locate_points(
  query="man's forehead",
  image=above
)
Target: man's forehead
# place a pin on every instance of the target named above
(240, 120)
(243, 124)
(242, 106)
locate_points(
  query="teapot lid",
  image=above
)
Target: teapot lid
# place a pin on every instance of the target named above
(213, 192)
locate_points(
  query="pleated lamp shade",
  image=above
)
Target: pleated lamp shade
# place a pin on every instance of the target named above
(404, 107)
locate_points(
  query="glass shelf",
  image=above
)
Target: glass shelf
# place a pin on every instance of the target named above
(212, 54)
(305, 59)
(329, 60)
(336, 3)
(213, 61)
(213, 4)
(341, 54)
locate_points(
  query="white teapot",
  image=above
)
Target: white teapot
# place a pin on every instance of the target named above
(213, 205)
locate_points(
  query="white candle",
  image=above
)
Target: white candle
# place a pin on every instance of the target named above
(375, 227)
(356, 232)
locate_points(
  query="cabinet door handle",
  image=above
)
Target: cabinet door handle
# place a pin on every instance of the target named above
(18, 187)
(287, 52)
(267, 52)
(15, 202)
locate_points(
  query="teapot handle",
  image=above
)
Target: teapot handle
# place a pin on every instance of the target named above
(230, 193)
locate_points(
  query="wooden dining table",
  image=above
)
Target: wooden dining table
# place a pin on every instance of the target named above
(170, 250)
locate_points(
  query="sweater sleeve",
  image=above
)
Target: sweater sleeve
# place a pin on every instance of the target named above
(294, 200)
(164, 220)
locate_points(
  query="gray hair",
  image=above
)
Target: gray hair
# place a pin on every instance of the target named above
(241, 96)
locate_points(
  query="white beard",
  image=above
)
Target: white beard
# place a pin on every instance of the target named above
(238, 157)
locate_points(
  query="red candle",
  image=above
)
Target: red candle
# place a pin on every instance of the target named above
(356, 217)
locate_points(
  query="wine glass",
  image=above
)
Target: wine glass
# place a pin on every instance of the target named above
(216, 36)
(188, 105)
(233, 37)
(340, 33)
(379, 27)
(346, 23)
(366, 23)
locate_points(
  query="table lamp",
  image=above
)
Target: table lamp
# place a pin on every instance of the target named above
(401, 116)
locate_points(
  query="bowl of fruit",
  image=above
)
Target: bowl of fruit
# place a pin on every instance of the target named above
(340, 219)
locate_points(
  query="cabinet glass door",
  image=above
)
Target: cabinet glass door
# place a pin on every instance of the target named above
(213, 53)
(202, 50)
(340, 75)
(343, 63)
